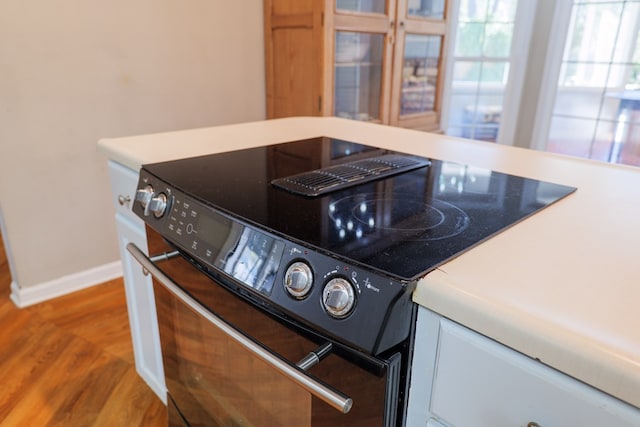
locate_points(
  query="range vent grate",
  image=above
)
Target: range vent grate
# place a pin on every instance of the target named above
(334, 178)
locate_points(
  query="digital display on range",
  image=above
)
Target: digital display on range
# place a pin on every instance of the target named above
(213, 230)
(247, 255)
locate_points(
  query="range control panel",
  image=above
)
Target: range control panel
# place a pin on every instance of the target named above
(355, 306)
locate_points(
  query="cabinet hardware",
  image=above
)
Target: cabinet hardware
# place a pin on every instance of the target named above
(165, 256)
(314, 357)
(123, 200)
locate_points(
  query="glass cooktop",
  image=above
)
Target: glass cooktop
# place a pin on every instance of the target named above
(398, 214)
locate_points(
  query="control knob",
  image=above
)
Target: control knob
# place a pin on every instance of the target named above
(338, 297)
(298, 279)
(144, 196)
(158, 205)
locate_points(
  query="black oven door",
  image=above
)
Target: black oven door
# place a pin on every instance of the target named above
(229, 363)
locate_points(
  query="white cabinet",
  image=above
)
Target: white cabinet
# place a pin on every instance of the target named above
(138, 287)
(461, 378)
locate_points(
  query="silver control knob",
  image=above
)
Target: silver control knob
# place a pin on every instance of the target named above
(338, 297)
(298, 279)
(144, 196)
(158, 205)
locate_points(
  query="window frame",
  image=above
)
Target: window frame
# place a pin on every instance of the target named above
(517, 63)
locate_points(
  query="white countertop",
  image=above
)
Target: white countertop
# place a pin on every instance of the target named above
(562, 286)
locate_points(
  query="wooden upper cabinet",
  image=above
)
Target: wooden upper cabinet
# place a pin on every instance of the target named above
(374, 60)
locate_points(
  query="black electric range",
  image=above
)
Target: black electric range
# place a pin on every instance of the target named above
(403, 224)
(347, 228)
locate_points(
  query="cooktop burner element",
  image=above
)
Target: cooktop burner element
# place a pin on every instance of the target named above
(400, 216)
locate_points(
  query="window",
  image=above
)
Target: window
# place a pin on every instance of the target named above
(596, 111)
(480, 67)
(581, 60)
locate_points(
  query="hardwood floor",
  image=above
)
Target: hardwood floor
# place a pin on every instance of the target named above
(69, 362)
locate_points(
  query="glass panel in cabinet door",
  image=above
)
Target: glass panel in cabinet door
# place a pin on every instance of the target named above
(358, 75)
(420, 73)
(433, 9)
(366, 6)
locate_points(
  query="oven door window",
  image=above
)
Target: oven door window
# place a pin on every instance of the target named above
(215, 381)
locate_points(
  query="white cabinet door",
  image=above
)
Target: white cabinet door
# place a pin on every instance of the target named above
(138, 287)
(475, 381)
(142, 309)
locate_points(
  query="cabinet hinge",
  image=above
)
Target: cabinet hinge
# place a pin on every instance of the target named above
(320, 104)
(322, 19)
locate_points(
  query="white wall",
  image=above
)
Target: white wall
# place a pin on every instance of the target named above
(74, 71)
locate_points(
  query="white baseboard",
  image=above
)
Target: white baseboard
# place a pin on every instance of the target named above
(156, 384)
(24, 297)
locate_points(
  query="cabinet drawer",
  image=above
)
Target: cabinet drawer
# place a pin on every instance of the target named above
(479, 382)
(124, 182)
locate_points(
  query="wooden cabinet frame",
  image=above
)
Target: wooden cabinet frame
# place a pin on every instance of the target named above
(300, 51)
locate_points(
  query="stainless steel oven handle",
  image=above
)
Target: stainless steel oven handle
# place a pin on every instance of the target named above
(332, 397)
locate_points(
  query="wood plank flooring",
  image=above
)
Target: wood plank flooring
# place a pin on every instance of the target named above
(69, 362)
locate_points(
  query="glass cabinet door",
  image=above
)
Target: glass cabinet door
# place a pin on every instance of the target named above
(417, 64)
(420, 66)
(426, 8)
(362, 56)
(366, 6)
(387, 61)
(358, 70)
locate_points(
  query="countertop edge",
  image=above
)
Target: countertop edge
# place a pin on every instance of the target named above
(554, 346)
